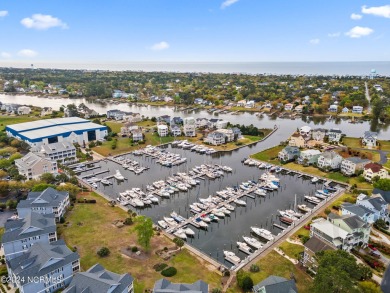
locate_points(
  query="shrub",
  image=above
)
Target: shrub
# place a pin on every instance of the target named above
(169, 272)
(128, 221)
(254, 268)
(160, 266)
(62, 220)
(134, 249)
(216, 290)
(104, 251)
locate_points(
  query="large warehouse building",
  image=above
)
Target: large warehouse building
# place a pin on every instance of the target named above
(47, 131)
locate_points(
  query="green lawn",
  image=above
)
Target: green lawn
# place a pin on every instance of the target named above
(292, 250)
(89, 227)
(385, 145)
(352, 142)
(269, 155)
(115, 126)
(146, 123)
(346, 197)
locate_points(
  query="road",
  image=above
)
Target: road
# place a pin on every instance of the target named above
(368, 98)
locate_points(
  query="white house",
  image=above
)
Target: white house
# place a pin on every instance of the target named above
(215, 138)
(288, 107)
(175, 130)
(318, 134)
(369, 139)
(201, 122)
(305, 131)
(357, 109)
(309, 157)
(241, 103)
(350, 166)
(162, 130)
(250, 104)
(345, 110)
(372, 170)
(299, 109)
(24, 110)
(137, 135)
(329, 160)
(333, 108)
(46, 111)
(334, 135)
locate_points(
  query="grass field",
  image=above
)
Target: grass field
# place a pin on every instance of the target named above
(115, 126)
(352, 142)
(269, 155)
(292, 250)
(385, 145)
(89, 227)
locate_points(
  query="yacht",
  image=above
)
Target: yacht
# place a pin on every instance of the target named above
(229, 207)
(315, 180)
(253, 242)
(239, 202)
(200, 223)
(105, 182)
(94, 185)
(189, 232)
(218, 213)
(163, 224)
(138, 202)
(244, 247)
(180, 233)
(263, 233)
(320, 195)
(170, 221)
(287, 215)
(260, 192)
(231, 257)
(312, 199)
(303, 208)
(194, 208)
(119, 176)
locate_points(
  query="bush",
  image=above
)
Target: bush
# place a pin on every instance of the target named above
(62, 220)
(169, 272)
(134, 249)
(216, 290)
(128, 221)
(254, 268)
(104, 251)
(160, 266)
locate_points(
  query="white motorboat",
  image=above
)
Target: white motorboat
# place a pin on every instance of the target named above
(303, 208)
(231, 257)
(195, 208)
(164, 194)
(206, 219)
(319, 195)
(138, 202)
(162, 224)
(150, 188)
(218, 213)
(182, 187)
(244, 247)
(288, 215)
(200, 223)
(229, 207)
(315, 180)
(189, 232)
(253, 242)
(94, 185)
(267, 235)
(227, 169)
(239, 202)
(152, 198)
(105, 182)
(180, 234)
(119, 176)
(260, 192)
(312, 199)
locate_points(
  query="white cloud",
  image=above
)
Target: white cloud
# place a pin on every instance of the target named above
(160, 46)
(383, 11)
(356, 16)
(314, 41)
(5, 55)
(359, 31)
(334, 35)
(27, 53)
(227, 3)
(3, 13)
(43, 22)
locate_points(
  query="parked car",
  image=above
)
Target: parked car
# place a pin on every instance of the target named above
(372, 247)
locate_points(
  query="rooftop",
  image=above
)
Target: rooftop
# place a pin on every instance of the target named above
(276, 284)
(48, 197)
(165, 286)
(315, 244)
(329, 229)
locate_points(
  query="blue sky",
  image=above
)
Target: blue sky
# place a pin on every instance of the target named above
(194, 30)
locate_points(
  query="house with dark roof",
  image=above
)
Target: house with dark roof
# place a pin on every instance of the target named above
(358, 210)
(215, 138)
(376, 204)
(313, 246)
(45, 267)
(372, 170)
(164, 118)
(98, 280)
(350, 166)
(289, 153)
(329, 160)
(49, 201)
(165, 286)
(334, 135)
(276, 284)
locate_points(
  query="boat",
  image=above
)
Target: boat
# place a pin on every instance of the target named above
(239, 202)
(267, 235)
(163, 193)
(253, 242)
(189, 232)
(218, 213)
(177, 217)
(323, 192)
(170, 221)
(288, 215)
(200, 223)
(312, 199)
(286, 220)
(119, 176)
(320, 195)
(244, 247)
(213, 217)
(152, 198)
(303, 208)
(229, 207)
(315, 180)
(105, 182)
(94, 185)
(194, 208)
(206, 219)
(163, 224)
(180, 233)
(139, 203)
(260, 192)
(231, 257)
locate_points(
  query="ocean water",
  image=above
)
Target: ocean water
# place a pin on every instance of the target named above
(279, 68)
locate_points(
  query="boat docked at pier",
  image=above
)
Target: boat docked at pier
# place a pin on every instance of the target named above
(231, 257)
(263, 233)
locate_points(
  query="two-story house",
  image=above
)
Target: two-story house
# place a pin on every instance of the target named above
(20, 234)
(334, 135)
(201, 122)
(288, 154)
(309, 157)
(297, 140)
(24, 110)
(288, 107)
(319, 134)
(45, 267)
(369, 139)
(329, 160)
(49, 201)
(34, 165)
(175, 130)
(98, 279)
(376, 204)
(46, 111)
(357, 109)
(350, 166)
(63, 151)
(313, 246)
(164, 286)
(362, 212)
(372, 170)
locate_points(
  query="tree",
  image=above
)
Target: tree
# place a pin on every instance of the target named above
(4, 188)
(71, 188)
(42, 187)
(11, 204)
(369, 287)
(179, 242)
(244, 280)
(103, 252)
(48, 178)
(144, 230)
(383, 184)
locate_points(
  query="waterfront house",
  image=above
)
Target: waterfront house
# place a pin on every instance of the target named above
(177, 121)
(228, 133)
(297, 140)
(333, 108)
(299, 108)
(309, 157)
(162, 130)
(312, 247)
(250, 104)
(46, 111)
(241, 103)
(275, 284)
(217, 123)
(237, 133)
(175, 130)
(117, 94)
(49, 201)
(198, 101)
(372, 170)
(22, 233)
(319, 134)
(33, 165)
(111, 114)
(288, 107)
(350, 166)
(137, 135)
(24, 110)
(362, 212)
(64, 151)
(345, 110)
(89, 113)
(289, 153)
(334, 135)
(99, 280)
(215, 138)
(45, 267)
(189, 130)
(357, 109)
(165, 286)
(164, 118)
(369, 139)
(376, 204)
(305, 131)
(168, 99)
(329, 160)
(10, 108)
(201, 122)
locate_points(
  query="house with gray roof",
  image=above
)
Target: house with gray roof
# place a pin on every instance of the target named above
(319, 134)
(358, 210)
(276, 284)
(329, 160)
(313, 246)
(350, 166)
(369, 139)
(49, 201)
(376, 204)
(45, 267)
(33, 165)
(21, 234)
(98, 280)
(334, 135)
(289, 153)
(63, 151)
(215, 138)
(165, 286)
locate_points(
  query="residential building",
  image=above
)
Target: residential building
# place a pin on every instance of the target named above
(33, 165)
(201, 122)
(22, 233)
(334, 135)
(177, 121)
(313, 246)
(333, 108)
(276, 284)
(357, 109)
(329, 160)
(288, 107)
(217, 123)
(59, 151)
(175, 130)
(345, 110)
(237, 133)
(241, 103)
(305, 131)
(376, 204)
(309, 157)
(198, 101)
(215, 138)
(162, 130)
(299, 108)
(131, 117)
(228, 133)
(89, 113)
(24, 110)
(297, 140)
(45, 267)
(164, 118)
(189, 126)
(319, 134)
(99, 280)
(165, 286)
(49, 201)
(350, 166)
(362, 212)
(250, 104)
(369, 139)
(46, 111)
(372, 170)
(289, 153)
(137, 135)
